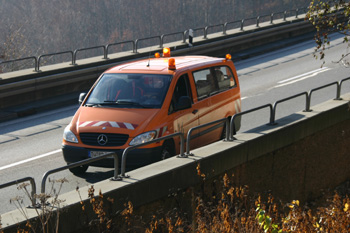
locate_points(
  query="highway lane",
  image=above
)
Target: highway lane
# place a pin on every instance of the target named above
(30, 146)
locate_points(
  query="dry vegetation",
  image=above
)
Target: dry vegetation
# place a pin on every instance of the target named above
(231, 209)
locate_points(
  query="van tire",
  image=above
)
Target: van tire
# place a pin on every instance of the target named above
(168, 150)
(80, 170)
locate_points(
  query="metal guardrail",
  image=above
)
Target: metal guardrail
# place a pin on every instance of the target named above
(205, 125)
(80, 163)
(126, 151)
(37, 67)
(16, 182)
(160, 38)
(274, 106)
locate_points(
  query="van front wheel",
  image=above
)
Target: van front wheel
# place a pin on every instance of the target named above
(168, 150)
(80, 170)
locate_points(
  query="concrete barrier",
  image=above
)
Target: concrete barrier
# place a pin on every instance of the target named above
(295, 159)
(20, 89)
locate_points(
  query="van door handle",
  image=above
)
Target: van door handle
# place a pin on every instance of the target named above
(195, 111)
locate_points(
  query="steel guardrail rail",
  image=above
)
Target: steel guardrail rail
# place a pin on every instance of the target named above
(205, 125)
(37, 68)
(161, 38)
(273, 107)
(126, 151)
(147, 38)
(85, 49)
(80, 163)
(16, 182)
(23, 59)
(232, 125)
(118, 43)
(183, 33)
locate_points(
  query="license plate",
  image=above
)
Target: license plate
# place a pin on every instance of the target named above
(94, 154)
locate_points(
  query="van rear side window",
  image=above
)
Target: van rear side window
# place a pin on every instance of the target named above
(213, 80)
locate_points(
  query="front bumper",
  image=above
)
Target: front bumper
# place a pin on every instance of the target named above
(134, 159)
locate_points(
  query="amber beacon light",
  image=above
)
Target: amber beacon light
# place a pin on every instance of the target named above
(171, 64)
(166, 52)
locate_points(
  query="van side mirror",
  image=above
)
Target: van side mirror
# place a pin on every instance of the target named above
(81, 98)
(183, 103)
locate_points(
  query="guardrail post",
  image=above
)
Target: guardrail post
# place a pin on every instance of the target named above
(116, 168)
(224, 28)
(161, 41)
(74, 57)
(206, 32)
(105, 52)
(271, 18)
(242, 22)
(32, 183)
(184, 35)
(257, 21)
(136, 43)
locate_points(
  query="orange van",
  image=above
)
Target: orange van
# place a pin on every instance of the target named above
(146, 99)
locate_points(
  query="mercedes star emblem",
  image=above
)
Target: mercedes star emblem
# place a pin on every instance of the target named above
(102, 139)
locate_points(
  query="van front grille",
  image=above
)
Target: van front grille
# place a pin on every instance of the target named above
(103, 139)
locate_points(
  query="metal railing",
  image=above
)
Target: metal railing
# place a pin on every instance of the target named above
(274, 106)
(205, 125)
(126, 151)
(81, 163)
(37, 68)
(85, 49)
(105, 56)
(17, 182)
(160, 38)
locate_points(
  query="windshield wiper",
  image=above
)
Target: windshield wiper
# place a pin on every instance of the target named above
(118, 102)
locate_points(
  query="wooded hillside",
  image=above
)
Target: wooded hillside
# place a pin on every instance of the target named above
(36, 27)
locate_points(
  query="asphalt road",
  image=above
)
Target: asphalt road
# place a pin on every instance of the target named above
(30, 146)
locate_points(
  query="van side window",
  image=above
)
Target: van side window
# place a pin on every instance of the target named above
(182, 88)
(213, 80)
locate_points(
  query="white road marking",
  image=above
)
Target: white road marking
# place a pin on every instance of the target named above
(300, 77)
(308, 74)
(29, 160)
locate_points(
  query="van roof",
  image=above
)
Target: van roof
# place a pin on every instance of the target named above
(160, 65)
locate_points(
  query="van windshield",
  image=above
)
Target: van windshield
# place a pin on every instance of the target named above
(130, 91)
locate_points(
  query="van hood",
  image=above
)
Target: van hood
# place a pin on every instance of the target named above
(113, 120)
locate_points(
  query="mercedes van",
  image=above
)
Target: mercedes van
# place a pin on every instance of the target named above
(142, 100)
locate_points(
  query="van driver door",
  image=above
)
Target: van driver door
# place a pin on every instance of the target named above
(187, 118)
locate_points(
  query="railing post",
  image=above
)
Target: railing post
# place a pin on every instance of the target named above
(206, 32)
(184, 34)
(105, 52)
(271, 18)
(116, 168)
(74, 57)
(136, 43)
(308, 102)
(224, 28)
(161, 41)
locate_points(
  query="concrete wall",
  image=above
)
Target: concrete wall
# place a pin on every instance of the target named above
(295, 159)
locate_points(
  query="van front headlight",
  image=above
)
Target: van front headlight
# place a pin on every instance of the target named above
(142, 138)
(69, 136)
